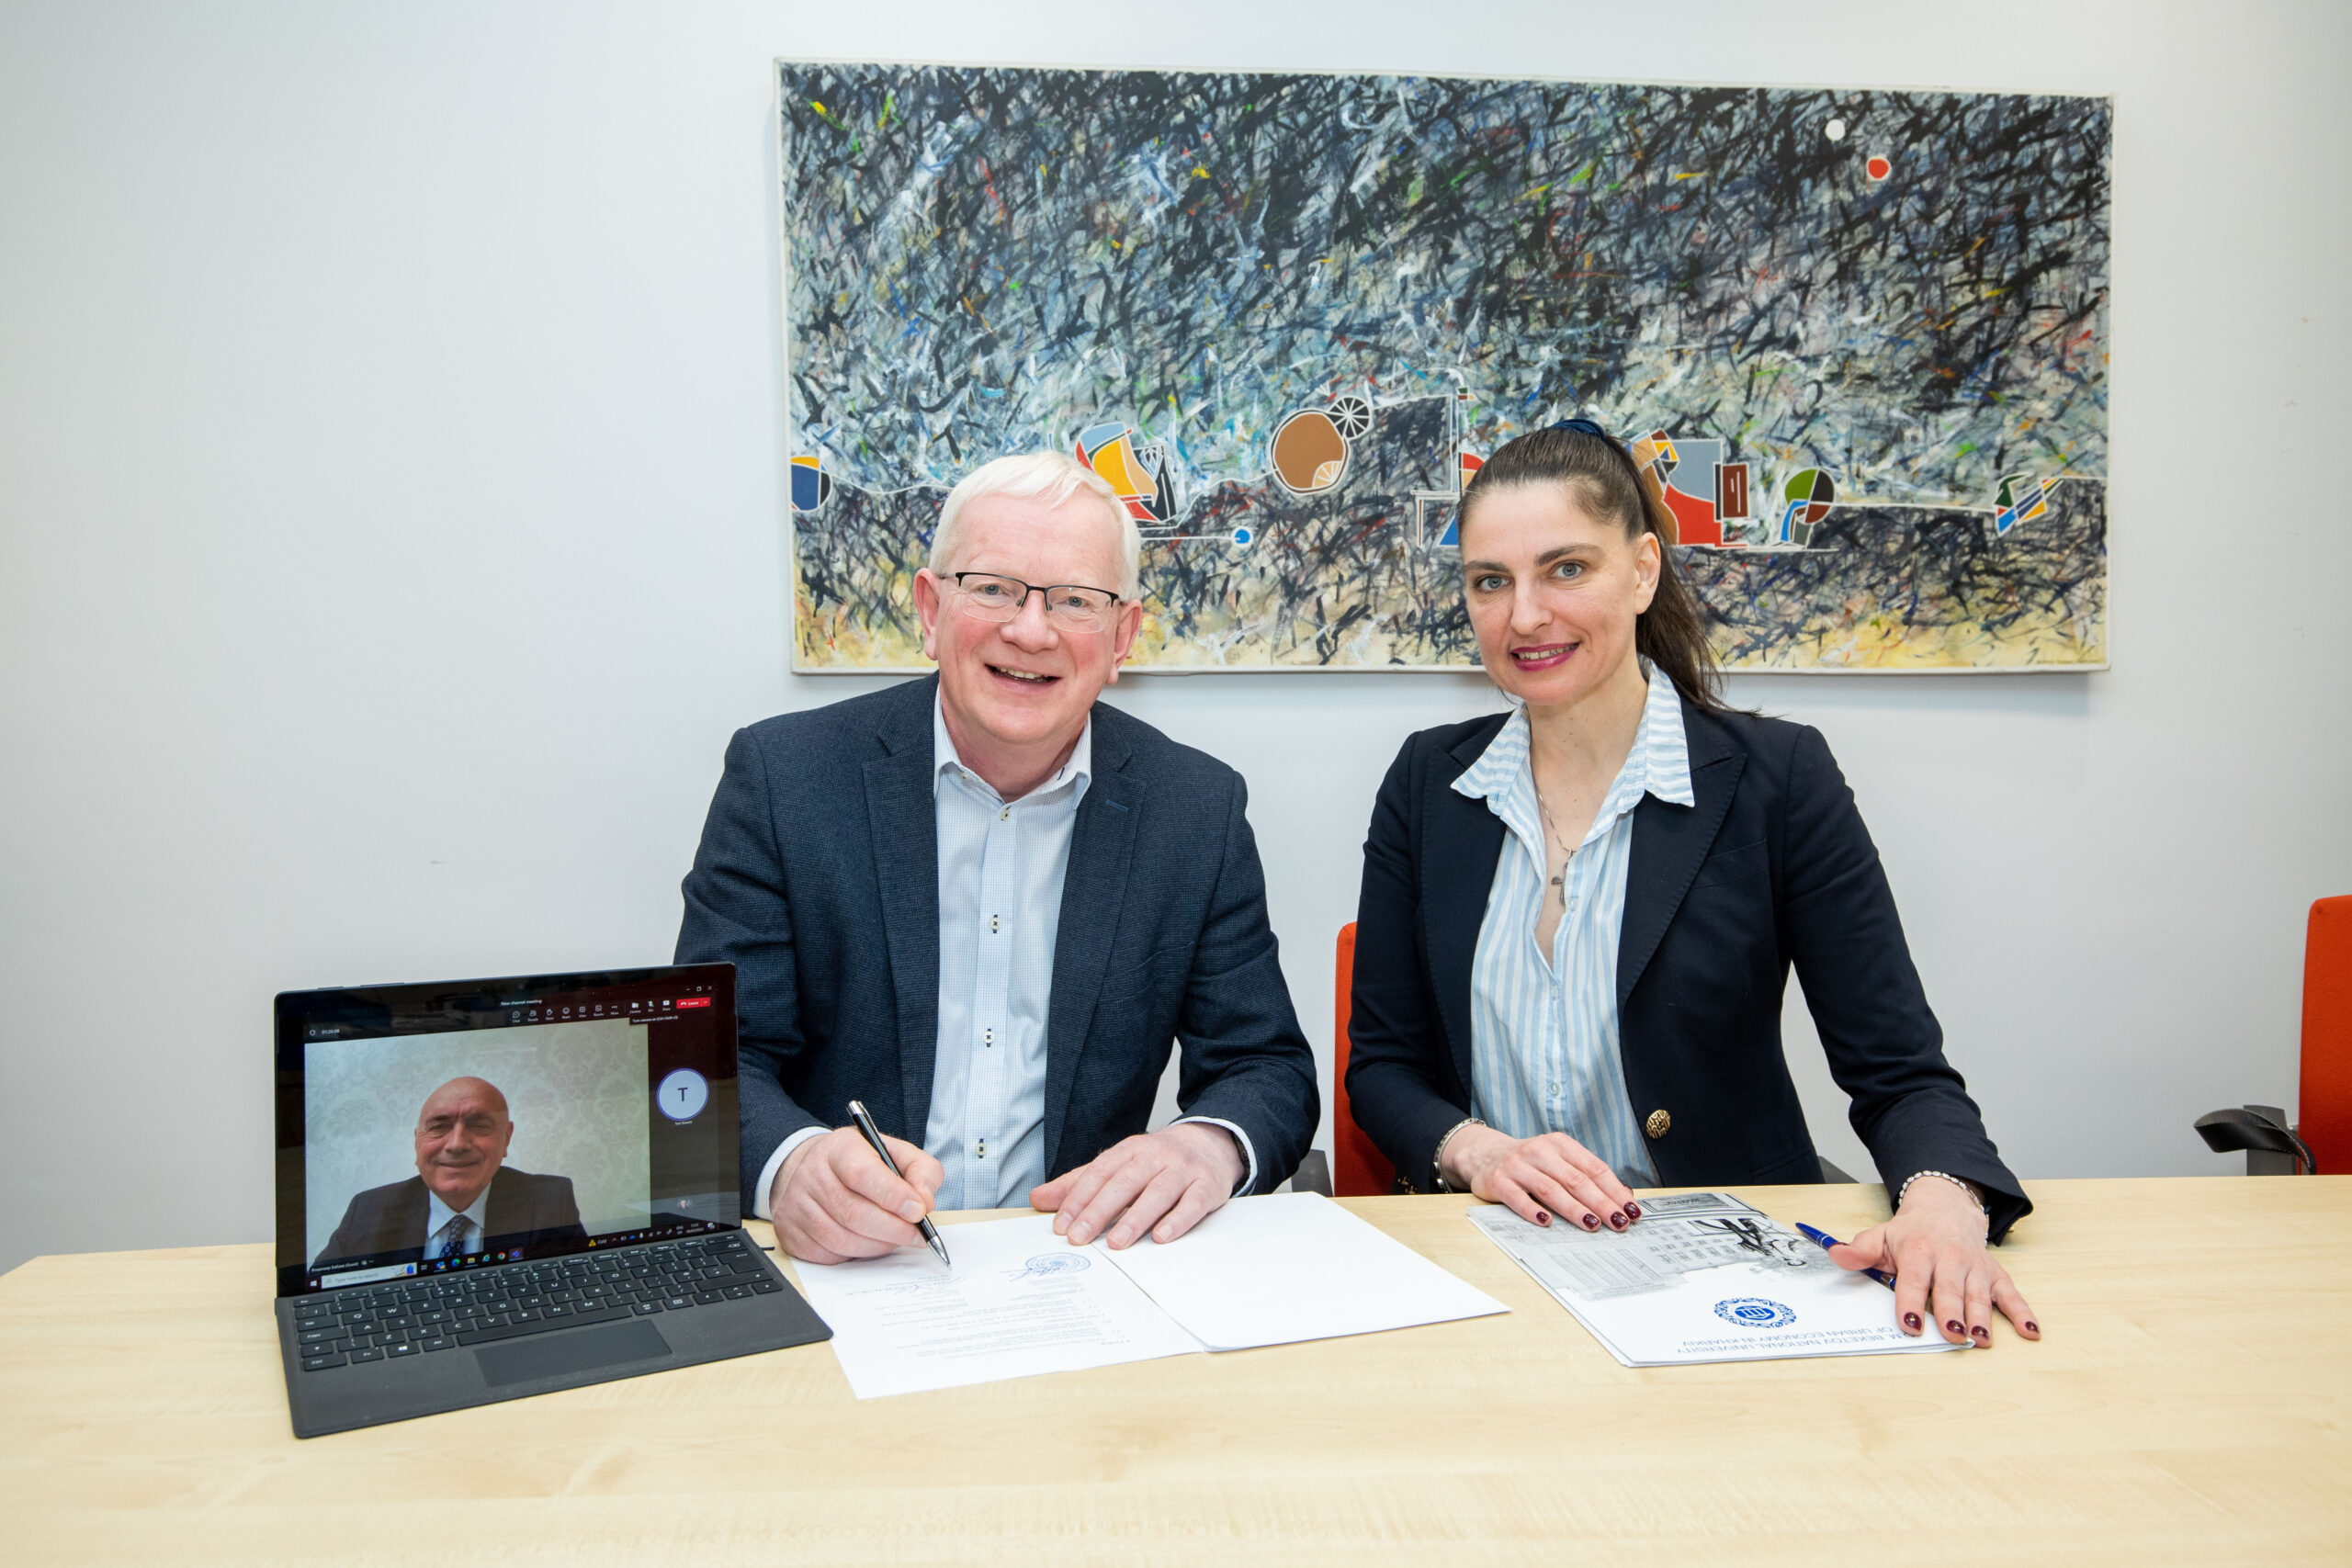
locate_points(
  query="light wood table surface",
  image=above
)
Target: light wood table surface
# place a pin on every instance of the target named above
(2192, 1402)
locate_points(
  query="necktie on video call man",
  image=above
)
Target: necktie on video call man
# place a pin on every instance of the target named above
(449, 1241)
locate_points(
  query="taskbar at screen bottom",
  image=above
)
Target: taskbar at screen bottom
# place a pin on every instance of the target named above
(409, 1265)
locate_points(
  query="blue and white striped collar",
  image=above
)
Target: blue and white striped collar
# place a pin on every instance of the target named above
(1659, 764)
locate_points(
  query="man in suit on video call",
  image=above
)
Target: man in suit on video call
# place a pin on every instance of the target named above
(985, 906)
(464, 1194)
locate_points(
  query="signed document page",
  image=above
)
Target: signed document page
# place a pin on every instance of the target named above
(1293, 1266)
(1020, 1300)
(1704, 1277)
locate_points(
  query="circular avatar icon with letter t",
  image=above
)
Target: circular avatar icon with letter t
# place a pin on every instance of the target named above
(683, 1094)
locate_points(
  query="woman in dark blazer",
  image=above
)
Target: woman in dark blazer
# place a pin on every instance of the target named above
(1578, 919)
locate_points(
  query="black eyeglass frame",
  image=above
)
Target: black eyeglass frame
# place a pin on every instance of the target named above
(1044, 590)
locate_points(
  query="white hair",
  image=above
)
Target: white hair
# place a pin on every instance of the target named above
(1051, 476)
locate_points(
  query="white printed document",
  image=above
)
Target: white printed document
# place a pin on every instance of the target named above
(1022, 1299)
(1293, 1266)
(1704, 1277)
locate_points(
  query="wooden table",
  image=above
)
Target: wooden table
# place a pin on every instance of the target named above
(2192, 1402)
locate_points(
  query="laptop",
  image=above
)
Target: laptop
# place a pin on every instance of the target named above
(489, 1189)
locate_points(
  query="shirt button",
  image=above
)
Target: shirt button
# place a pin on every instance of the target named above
(1005, 814)
(1554, 1088)
(988, 1036)
(1572, 905)
(996, 924)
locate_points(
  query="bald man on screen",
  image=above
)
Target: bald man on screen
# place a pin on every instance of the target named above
(464, 1196)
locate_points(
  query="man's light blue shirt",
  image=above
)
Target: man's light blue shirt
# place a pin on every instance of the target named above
(1544, 1053)
(1000, 869)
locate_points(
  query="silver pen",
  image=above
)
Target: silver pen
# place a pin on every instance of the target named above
(873, 1135)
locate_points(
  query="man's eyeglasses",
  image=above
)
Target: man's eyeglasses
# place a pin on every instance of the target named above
(989, 597)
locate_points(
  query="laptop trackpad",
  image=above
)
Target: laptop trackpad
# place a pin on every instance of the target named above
(557, 1355)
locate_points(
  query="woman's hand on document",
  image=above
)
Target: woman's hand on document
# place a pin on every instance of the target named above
(1935, 1248)
(1538, 1177)
(834, 1200)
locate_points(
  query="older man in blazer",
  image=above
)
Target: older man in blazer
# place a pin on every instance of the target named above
(464, 1196)
(985, 906)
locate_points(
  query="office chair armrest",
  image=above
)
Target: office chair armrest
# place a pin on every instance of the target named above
(2249, 1128)
(1313, 1175)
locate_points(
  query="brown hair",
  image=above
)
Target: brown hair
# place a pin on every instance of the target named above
(1597, 471)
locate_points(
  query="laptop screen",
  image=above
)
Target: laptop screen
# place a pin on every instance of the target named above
(432, 1128)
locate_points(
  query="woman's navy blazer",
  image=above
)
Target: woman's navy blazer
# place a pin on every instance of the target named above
(1770, 866)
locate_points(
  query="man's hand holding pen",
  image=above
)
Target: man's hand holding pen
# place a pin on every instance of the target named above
(834, 1199)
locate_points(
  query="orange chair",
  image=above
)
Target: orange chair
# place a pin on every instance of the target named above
(1363, 1171)
(2327, 1034)
(2323, 1139)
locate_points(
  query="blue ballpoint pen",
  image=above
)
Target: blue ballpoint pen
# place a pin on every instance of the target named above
(1825, 1241)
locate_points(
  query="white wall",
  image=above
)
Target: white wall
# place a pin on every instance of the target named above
(391, 525)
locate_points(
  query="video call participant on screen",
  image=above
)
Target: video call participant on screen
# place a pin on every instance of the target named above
(464, 1195)
(984, 904)
(1578, 919)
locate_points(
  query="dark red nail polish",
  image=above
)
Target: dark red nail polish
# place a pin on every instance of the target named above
(1616, 1222)
(1541, 1218)
(1953, 1325)
(1592, 1221)
(1980, 1332)
(2031, 1327)
(1911, 1321)
(1633, 1211)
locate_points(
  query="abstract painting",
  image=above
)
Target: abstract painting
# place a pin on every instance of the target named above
(1857, 341)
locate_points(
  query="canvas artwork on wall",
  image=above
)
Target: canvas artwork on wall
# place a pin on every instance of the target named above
(1857, 340)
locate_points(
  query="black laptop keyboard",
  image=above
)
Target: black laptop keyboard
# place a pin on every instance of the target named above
(416, 1317)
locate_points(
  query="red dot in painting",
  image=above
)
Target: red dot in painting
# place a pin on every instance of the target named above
(1880, 168)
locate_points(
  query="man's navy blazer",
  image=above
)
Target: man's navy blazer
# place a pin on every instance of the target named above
(1770, 866)
(817, 878)
(524, 1209)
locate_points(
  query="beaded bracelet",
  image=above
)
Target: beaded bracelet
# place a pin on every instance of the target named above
(1946, 1175)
